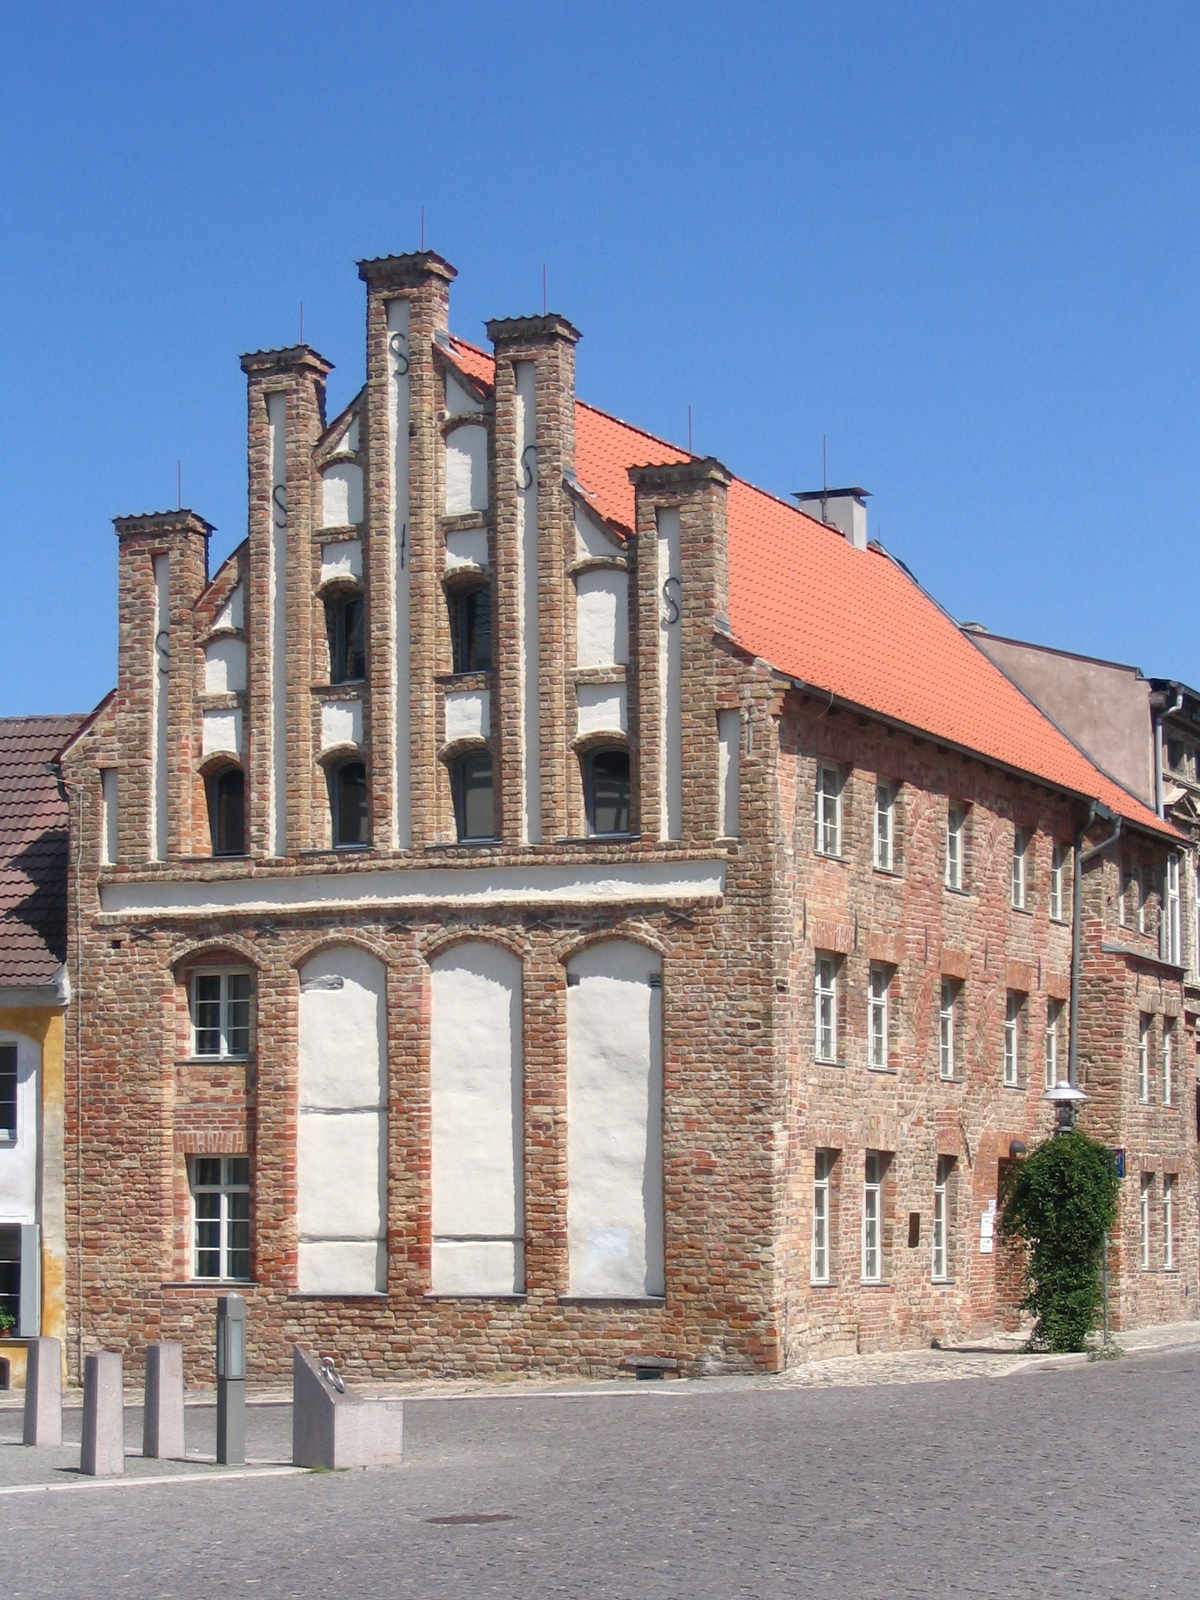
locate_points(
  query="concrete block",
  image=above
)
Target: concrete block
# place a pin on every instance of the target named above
(162, 1422)
(102, 1452)
(43, 1392)
(333, 1428)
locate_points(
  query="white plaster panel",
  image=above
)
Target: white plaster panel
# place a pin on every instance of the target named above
(341, 723)
(602, 617)
(108, 809)
(525, 466)
(584, 884)
(342, 559)
(729, 749)
(158, 699)
(474, 1266)
(340, 1174)
(398, 498)
(221, 731)
(341, 494)
(602, 708)
(233, 613)
(277, 629)
(466, 471)
(468, 714)
(467, 547)
(225, 666)
(614, 1122)
(341, 1266)
(670, 666)
(19, 1157)
(460, 402)
(342, 1040)
(592, 538)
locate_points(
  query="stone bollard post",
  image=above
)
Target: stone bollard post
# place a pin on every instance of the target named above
(43, 1392)
(162, 1419)
(102, 1453)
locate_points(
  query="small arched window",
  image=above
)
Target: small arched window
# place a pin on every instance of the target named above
(344, 630)
(471, 628)
(606, 790)
(348, 807)
(474, 805)
(226, 792)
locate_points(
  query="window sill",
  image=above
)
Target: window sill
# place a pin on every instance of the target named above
(830, 855)
(875, 1283)
(957, 889)
(339, 688)
(828, 1061)
(1060, 922)
(213, 1061)
(887, 872)
(210, 1283)
(884, 1072)
(1015, 1088)
(1022, 911)
(943, 1283)
(955, 1082)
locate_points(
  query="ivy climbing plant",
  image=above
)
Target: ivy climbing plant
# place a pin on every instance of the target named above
(1061, 1199)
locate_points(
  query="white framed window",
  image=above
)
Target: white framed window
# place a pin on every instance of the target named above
(884, 840)
(826, 1008)
(948, 1027)
(941, 1218)
(878, 986)
(220, 1007)
(1014, 1009)
(1168, 1217)
(1145, 1023)
(1053, 1042)
(1123, 882)
(1144, 1198)
(956, 844)
(1172, 931)
(1020, 867)
(220, 1188)
(8, 1093)
(1168, 1060)
(823, 1165)
(828, 815)
(1058, 883)
(874, 1178)
(1139, 899)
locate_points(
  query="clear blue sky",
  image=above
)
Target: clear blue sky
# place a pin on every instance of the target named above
(959, 240)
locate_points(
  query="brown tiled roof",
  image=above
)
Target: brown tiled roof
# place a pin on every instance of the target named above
(33, 850)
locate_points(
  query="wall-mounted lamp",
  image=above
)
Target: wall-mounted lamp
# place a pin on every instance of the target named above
(1065, 1098)
(1015, 1150)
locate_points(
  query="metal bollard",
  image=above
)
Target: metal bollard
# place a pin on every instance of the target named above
(231, 1379)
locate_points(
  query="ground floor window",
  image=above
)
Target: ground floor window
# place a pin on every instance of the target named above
(822, 1191)
(220, 1216)
(10, 1280)
(942, 1208)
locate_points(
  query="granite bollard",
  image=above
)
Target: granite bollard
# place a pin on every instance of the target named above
(43, 1392)
(332, 1428)
(102, 1452)
(162, 1420)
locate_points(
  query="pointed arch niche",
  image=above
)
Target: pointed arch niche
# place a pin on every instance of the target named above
(476, 1089)
(614, 1121)
(341, 1156)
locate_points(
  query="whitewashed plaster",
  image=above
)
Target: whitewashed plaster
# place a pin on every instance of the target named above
(525, 466)
(221, 731)
(729, 750)
(467, 547)
(160, 662)
(670, 665)
(341, 559)
(601, 708)
(582, 884)
(277, 626)
(602, 617)
(347, 440)
(19, 1157)
(341, 723)
(466, 470)
(341, 1141)
(233, 613)
(341, 494)
(614, 1121)
(225, 665)
(460, 402)
(398, 492)
(108, 815)
(592, 538)
(468, 714)
(476, 1151)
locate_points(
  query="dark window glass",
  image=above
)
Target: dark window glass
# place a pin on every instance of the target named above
(471, 782)
(344, 628)
(348, 803)
(10, 1276)
(8, 1091)
(471, 629)
(606, 786)
(227, 812)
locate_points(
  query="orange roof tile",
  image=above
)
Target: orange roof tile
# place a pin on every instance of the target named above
(848, 622)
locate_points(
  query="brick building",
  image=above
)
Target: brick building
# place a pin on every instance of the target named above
(545, 901)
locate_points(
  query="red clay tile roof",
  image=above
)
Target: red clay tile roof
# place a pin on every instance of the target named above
(33, 850)
(846, 622)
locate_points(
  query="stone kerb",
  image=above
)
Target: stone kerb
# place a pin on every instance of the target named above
(332, 1428)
